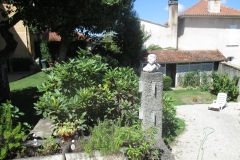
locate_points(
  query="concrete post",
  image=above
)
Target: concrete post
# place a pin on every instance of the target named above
(151, 102)
(151, 86)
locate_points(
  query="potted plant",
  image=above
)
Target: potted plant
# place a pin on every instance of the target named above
(66, 130)
(194, 99)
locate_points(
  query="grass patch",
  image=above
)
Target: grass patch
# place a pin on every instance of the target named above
(184, 97)
(24, 93)
(29, 81)
(180, 129)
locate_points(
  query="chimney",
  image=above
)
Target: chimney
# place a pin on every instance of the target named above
(173, 21)
(214, 6)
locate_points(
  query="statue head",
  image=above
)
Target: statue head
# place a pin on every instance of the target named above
(152, 58)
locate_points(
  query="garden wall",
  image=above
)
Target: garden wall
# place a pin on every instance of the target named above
(231, 70)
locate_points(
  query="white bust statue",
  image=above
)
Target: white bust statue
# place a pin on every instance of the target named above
(152, 66)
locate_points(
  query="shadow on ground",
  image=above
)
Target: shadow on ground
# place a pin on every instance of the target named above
(24, 99)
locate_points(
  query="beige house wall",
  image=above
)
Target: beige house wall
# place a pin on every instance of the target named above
(22, 35)
(210, 33)
(160, 35)
(200, 34)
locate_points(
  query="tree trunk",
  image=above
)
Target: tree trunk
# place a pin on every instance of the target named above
(63, 49)
(5, 53)
(4, 84)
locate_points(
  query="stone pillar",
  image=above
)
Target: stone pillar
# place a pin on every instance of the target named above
(151, 85)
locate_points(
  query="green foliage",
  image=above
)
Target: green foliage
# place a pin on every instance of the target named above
(103, 138)
(205, 84)
(222, 83)
(154, 47)
(190, 79)
(49, 146)
(67, 129)
(140, 142)
(45, 50)
(110, 136)
(169, 48)
(146, 35)
(108, 44)
(87, 84)
(129, 37)
(169, 120)
(21, 64)
(122, 84)
(10, 136)
(167, 83)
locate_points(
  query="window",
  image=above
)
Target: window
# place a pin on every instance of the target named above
(232, 41)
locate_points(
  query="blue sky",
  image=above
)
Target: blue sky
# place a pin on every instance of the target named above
(156, 10)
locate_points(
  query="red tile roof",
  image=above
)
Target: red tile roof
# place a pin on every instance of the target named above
(53, 36)
(184, 56)
(201, 8)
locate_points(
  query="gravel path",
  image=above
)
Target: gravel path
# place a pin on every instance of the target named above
(209, 135)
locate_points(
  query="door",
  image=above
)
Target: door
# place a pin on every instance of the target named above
(171, 72)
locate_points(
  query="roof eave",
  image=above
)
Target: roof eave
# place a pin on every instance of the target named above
(208, 16)
(195, 61)
(163, 25)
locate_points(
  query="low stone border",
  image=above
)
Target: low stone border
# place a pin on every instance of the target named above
(117, 155)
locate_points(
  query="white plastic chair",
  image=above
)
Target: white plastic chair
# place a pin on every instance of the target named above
(220, 102)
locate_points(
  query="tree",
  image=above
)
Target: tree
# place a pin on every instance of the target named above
(129, 38)
(125, 41)
(56, 15)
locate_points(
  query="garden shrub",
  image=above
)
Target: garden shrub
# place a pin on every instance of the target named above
(48, 147)
(88, 84)
(205, 84)
(11, 135)
(109, 135)
(154, 47)
(169, 120)
(167, 83)
(45, 54)
(222, 83)
(191, 79)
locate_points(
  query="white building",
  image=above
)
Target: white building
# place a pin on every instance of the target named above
(201, 29)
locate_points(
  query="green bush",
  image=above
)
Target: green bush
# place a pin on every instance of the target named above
(205, 84)
(21, 64)
(154, 47)
(191, 79)
(10, 136)
(222, 83)
(167, 83)
(48, 147)
(44, 49)
(109, 136)
(169, 119)
(88, 84)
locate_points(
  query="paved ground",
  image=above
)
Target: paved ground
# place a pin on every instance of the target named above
(209, 135)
